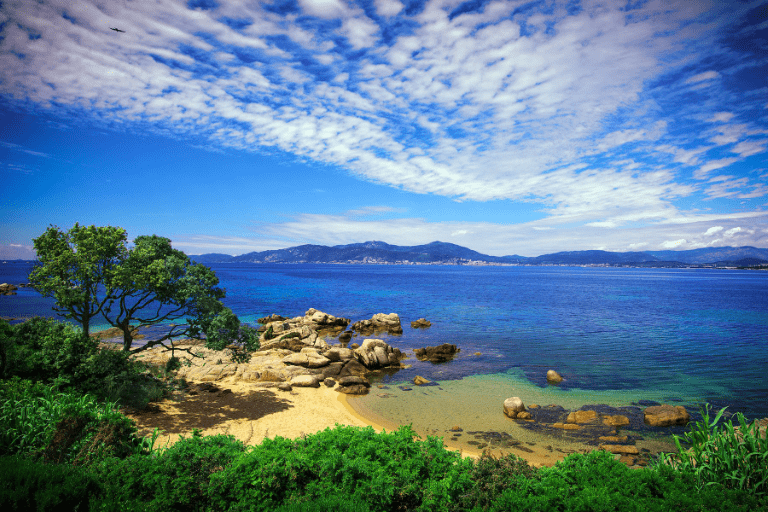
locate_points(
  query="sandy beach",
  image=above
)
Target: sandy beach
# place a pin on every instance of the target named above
(252, 414)
(248, 413)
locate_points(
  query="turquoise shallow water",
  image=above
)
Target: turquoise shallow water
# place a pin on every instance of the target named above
(617, 335)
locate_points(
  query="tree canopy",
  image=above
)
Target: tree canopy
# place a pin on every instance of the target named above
(92, 271)
(72, 265)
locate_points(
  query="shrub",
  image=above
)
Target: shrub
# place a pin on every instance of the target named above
(597, 482)
(176, 478)
(727, 456)
(490, 477)
(388, 471)
(34, 485)
(48, 350)
(40, 421)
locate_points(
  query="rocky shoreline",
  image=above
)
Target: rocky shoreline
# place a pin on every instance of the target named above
(296, 353)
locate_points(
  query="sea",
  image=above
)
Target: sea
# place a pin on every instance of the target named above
(618, 336)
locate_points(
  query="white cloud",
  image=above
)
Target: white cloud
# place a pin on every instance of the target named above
(714, 230)
(544, 106)
(388, 8)
(707, 75)
(323, 8)
(705, 170)
(721, 117)
(674, 244)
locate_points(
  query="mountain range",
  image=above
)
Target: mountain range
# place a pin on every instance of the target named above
(447, 253)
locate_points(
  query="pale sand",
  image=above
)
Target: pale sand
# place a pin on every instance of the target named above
(248, 413)
(252, 414)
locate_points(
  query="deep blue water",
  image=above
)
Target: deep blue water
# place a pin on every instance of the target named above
(697, 334)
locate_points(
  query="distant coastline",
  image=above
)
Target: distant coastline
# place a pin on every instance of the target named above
(441, 253)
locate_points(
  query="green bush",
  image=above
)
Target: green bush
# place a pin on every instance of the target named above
(176, 478)
(597, 482)
(40, 421)
(724, 456)
(388, 471)
(48, 350)
(56, 352)
(490, 477)
(34, 485)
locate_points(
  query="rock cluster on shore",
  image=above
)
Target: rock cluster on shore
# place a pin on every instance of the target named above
(294, 354)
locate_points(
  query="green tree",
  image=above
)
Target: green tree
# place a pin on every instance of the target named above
(91, 271)
(157, 284)
(73, 265)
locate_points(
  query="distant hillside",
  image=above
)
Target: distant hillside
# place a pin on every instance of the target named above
(446, 253)
(712, 254)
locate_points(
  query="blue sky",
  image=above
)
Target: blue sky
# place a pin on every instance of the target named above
(508, 127)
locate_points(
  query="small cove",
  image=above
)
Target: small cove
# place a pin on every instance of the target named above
(617, 335)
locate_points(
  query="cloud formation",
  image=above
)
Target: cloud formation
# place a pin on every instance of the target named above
(604, 114)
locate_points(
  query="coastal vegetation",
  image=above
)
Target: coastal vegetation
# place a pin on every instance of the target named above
(66, 445)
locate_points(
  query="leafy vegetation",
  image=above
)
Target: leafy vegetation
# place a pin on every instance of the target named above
(724, 455)
(64, 445)
(91, 271)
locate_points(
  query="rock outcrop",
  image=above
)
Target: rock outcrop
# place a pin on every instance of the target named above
(420, 381)
(380, 322)
(375, 354)
(8, 289)
(309, 357)
(438, 354)
(421, 323)
(513, 406)
(353, 385)
(666, 415)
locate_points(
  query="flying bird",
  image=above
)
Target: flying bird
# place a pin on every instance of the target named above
(116, 29)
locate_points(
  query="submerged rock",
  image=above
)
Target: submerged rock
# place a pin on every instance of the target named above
(666, 415)
(421, 323)
(553, 377)
(438, 354)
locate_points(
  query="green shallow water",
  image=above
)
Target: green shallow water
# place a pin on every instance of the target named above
(475, 404)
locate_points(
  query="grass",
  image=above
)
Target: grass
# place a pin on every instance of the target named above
(723, 454)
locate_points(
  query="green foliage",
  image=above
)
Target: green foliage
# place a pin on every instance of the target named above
(61, 427)
(727, 456)
(35, 485)
(597, 482)
(46, 349)
(57, 353)
(91, 271)
(173, 479)
(389, 471)
(492, 476)
(73, 266)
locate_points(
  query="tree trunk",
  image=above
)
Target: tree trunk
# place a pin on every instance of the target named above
(127, 336)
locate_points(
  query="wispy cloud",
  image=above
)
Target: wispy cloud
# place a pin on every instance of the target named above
(591, 110)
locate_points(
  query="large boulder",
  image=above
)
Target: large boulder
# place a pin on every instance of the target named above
(666, 415)
(323, 321)
(421, 323)
(438, 354)
(513, 406)
(339, 354)
(308, 358)
(582, 417)
(353, 385)
(553, 377)
(306, 381)
(380, 322)
(374, 354)
(271, 318)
